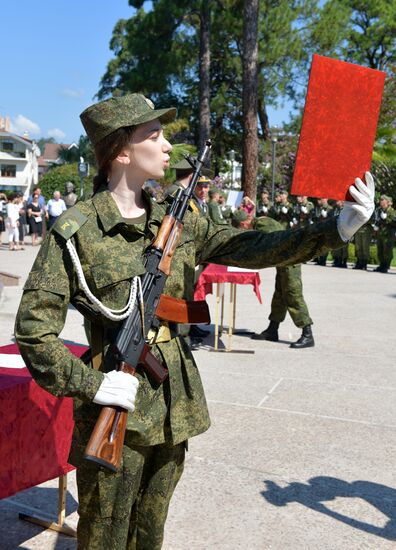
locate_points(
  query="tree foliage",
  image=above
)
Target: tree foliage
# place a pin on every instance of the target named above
(55, 179)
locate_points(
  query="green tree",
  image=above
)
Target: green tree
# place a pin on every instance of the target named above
(55, 179)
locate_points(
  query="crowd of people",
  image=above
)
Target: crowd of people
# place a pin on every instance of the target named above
(21, 216)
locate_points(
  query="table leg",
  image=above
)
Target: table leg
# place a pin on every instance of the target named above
(58, 526)
(216, 340)
(231, 324)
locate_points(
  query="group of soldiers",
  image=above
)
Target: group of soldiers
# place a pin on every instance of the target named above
(380, 229)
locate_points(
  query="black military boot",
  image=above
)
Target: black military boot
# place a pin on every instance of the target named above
(358, 265)
(306, 339)
(270, 333)
(364, 266)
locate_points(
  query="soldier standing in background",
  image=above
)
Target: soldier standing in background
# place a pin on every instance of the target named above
(303, 211)
(322, 212)
(362, 240)
(283, 210)
(340, 256)
(263, 204)
(215, 213)
(287, 297)
(385, 225)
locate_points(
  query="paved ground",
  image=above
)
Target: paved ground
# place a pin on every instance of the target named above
(301, 452)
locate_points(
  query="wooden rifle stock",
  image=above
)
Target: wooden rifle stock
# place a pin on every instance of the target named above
(107, 439)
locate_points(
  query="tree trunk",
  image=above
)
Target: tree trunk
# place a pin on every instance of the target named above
(263, 117)
(204, 75)
(249, 100)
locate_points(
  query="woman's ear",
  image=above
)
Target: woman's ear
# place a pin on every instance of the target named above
(124, 156)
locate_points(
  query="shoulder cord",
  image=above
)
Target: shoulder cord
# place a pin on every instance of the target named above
(113, 314)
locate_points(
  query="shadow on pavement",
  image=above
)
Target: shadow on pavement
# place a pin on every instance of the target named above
(320, 489)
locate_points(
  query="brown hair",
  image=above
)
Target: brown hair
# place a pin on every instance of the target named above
(106, 150)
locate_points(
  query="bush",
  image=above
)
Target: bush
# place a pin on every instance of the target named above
(55, 179)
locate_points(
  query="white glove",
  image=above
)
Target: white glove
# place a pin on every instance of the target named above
(284, 209)
(304, 209)
(294, 221)
(291, 224)
(118, 388)
(264, 209)
(323, 213)
(375, 227)
(356, 214)
(383, 215)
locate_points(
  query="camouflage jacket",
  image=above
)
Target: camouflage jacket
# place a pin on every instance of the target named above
(110, 252)
(385, 227)
(215, 213)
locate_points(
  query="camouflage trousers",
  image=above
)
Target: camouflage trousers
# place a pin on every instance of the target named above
(288, 297)
(362, 244)
(127, 510)
(385, 250)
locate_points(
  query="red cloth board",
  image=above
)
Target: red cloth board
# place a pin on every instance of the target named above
(35, 429)
(218, 274)
(338, 128)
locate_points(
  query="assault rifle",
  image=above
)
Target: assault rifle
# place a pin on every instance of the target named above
(107, 439)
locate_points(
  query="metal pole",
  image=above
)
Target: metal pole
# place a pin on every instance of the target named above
(273, 143)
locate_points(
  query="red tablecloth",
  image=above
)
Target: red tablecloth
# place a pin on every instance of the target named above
(214, 273)
(35, 429)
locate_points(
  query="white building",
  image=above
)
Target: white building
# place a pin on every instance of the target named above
(18, 163)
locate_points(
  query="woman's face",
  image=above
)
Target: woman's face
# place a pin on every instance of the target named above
(149, 151)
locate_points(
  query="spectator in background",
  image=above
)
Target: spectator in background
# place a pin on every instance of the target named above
(55, 207)
(22, 221)
(36, 214)
(41, 199)
(248, 206)
(3, 214)
(12, 223)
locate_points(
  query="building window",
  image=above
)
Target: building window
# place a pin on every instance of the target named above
(8, 170)
(7, 146)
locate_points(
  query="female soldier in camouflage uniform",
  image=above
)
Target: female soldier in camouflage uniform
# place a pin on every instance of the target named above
(106, 236)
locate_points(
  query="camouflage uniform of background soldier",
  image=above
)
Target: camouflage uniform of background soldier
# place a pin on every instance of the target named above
(322, 212)
(215, 213)
(340, 256)
(362, 240)
(385, 226)
(288, 297)
(303, 211)
(127, 510)
(282, 211)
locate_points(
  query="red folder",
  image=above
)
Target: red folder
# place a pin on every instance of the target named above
(338, 128)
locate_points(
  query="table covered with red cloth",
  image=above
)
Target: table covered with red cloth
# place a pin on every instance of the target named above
(214, 273)
(35, 429)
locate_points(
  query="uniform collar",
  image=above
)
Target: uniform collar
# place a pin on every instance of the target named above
(110, 215)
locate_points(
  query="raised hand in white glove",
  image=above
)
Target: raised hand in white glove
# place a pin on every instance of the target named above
(383, 215)
(284, 209)
(118, 388)
(323, 213)
(304, 209)
(356, 214)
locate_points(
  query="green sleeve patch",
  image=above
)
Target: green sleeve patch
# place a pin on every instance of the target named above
(69, 223)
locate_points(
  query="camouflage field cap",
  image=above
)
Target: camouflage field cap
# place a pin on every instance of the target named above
(107, 116)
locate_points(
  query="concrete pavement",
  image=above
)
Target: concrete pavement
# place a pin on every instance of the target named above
(301, 452)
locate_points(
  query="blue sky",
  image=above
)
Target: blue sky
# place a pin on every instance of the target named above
(53, 57)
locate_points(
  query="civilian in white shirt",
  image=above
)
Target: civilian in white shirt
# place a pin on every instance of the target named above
(55, 207)
(12, 222)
